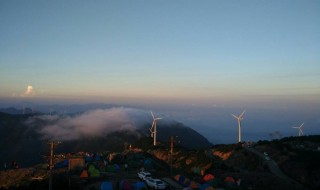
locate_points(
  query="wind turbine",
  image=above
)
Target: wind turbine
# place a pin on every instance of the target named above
(299, 129)
(239, 118)
(153, 128)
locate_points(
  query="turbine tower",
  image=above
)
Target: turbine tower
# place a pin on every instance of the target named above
(239, 118)
(299, 129)
(153, 129)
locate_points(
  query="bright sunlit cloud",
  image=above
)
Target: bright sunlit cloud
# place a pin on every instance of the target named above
(30, 92)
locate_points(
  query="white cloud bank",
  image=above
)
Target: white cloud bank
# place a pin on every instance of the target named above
(92, 123)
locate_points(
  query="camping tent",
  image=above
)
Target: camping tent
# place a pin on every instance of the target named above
(208, 177)
(204, 186)
(186, 182)
(88, 159)
(116, 167)
(113, 168)
(148, 164)
(139, 185)
(177, 177)
(216, 182)
(194, 185)
(84, 174)
(96, 157)
(196, 170)
(93, 171)
(62, 164)
(106, 185)
(229, 182)
(181, 180)
(125, 185)
(229, 179)
(91, 167)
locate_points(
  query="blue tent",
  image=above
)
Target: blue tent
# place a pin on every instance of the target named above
(116, 167)
(181, 180)
(62, 164)
(106, 185)
(97, 157)
(88, 159)
(139, 185)
(204, 186)
(148, 164)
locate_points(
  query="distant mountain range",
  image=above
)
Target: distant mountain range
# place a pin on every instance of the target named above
(22, 142)
(29, 108)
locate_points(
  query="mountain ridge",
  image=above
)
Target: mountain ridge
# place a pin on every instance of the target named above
(25, 144)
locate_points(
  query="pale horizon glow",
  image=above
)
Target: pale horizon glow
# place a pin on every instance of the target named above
(166, 49)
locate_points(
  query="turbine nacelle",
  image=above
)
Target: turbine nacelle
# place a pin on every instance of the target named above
(300, 133)
(240, 117)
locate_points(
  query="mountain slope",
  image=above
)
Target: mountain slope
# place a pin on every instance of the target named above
(22, 142)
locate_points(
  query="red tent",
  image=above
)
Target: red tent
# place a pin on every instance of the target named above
(229, 179)
(208, 177)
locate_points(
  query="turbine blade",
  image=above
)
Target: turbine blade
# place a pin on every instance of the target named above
(235, 116)
(242, 113)
(301, 132)
(301, 125)
(152, 114)
(158, 118)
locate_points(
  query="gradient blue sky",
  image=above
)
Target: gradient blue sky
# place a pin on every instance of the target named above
(195, 61)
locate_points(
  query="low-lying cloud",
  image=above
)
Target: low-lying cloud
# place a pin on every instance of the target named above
(93, 123)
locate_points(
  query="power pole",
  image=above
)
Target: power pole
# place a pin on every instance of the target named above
(52, 144)
(171, 152)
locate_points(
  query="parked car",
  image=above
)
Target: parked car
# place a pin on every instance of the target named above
(144, 175)
(265, 153)
(267, 158)
(155, 183)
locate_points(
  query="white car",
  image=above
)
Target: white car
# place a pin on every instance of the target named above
(144, 175)
(265, 153)
(155, 183)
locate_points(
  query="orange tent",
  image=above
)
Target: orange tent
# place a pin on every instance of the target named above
(84, 174)
(208, 177)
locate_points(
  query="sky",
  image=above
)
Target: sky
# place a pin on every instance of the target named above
(174, 56)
